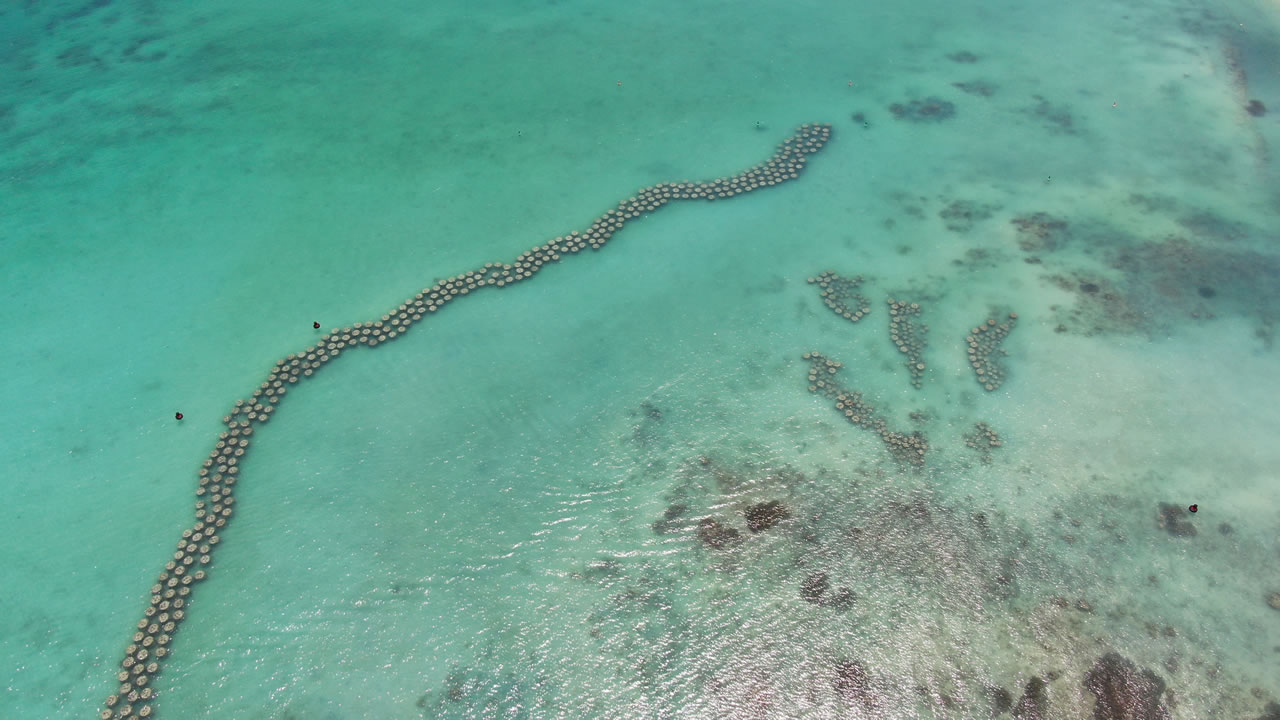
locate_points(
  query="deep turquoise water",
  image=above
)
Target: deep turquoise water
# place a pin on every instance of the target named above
(501, 513)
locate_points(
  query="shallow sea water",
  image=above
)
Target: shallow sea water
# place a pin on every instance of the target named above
(497, 515)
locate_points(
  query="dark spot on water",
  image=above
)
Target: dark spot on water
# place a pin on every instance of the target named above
(137, 44)
(1226, 529)
(976, 87)
(87, 9)
(674, 511)
(841, 600)
(1206, 291)
(651, 412)
(1212, 226)
(1152, 203)
(917, 510)
(1088, 287)
(78, 56)
(963, 57)
(1256, 108)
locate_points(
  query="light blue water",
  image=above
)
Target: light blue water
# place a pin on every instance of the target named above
(469, 521)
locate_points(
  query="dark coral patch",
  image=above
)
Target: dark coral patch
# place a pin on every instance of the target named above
(1122, 692)
(814, 587)
(1056, 117)
(840, 600)
(765, 515)
(963, 57)
(961, 215)
(1256, 108)
(714, 534)
(853, 683)
(915, 511)
(1212, 226)
(1163, 281)
(670, 520)
(930, 109)
(1040, 232)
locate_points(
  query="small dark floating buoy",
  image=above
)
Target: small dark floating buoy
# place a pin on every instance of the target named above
(315, 325)
(177, 416)
(1193, 508)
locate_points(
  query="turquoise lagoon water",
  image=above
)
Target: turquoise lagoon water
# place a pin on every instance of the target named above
(497, 515)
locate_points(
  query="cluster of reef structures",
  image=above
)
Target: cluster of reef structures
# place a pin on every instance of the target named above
(909, 448)
(836, 293)
(1121, 691)
(715, 534)
(984, 343)
(837, 563)
(171, 594)
(983, 439)
(908, 336)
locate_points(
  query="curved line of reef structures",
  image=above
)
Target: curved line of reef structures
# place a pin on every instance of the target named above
(908, 448)
(909, 337)
(172, 592)
(837, 291)
(984, 343)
